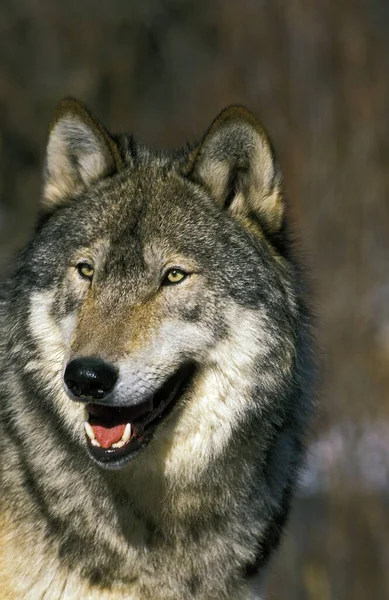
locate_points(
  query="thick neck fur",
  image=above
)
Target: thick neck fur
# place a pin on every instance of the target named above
(119, 529)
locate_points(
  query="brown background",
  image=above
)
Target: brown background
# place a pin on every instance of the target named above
(317, 75)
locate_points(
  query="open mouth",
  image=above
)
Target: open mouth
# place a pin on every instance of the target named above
(116, 434)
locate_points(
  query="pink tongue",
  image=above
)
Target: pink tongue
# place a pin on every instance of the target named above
(106, 436)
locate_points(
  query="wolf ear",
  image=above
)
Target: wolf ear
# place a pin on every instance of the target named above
(79, 151)
(236, 163)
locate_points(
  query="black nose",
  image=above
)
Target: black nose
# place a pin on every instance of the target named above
(90, 377)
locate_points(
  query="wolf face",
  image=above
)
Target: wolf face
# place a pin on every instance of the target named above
(143, 269)
(158, 330)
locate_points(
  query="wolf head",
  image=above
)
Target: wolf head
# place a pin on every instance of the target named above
(161, 303)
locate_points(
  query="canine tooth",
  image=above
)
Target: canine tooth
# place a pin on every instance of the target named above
(127, 433)
(85, 413)
(118, 444)
(89, 430)
(94, 442)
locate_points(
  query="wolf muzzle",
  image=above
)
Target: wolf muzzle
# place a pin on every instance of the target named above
(115, 432)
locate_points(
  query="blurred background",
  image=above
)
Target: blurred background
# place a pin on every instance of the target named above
(317, 75)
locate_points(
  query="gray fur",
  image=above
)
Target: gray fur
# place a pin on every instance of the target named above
(197, 513)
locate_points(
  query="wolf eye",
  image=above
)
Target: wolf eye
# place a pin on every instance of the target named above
(174, 276)
(85, 270)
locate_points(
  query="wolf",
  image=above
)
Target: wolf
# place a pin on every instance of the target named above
(156, 369)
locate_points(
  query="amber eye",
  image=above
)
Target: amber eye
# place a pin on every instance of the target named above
(174, 276)
(85, 270)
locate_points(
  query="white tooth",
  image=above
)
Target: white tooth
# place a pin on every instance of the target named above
(127, 433)
(94, 442)
(85, 413)
(89, 430)
(118, 444)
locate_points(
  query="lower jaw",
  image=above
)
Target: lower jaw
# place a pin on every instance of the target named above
(117, 458)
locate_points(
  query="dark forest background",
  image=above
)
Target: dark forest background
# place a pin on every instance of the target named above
(316, 73)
